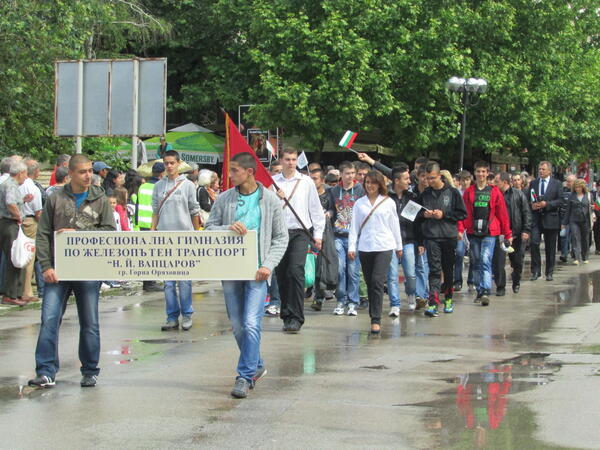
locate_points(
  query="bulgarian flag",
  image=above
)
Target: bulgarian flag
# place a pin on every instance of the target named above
(348, 139)
(597, 202)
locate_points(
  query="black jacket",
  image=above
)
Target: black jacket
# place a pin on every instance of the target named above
(548, 217)
(450, 202)
(577, 211)
(407, 228)
(519, 211)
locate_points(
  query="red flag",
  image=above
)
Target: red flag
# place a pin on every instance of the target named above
(234, 144)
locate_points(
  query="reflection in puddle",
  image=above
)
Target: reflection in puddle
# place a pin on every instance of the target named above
(477, 413)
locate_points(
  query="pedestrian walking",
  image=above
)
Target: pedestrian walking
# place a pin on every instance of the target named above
(520, 225)
(545, 194)
(443, 208)
(342, 199)
(301, 194)
(175, 208)
(249, 206)
(577, 217)
(374, 235)
(486, 219)
(77, 206)
(11, 217)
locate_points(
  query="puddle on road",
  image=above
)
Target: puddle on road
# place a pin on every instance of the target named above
(477, 412)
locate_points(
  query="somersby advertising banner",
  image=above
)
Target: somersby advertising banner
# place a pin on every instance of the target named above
(155, 255)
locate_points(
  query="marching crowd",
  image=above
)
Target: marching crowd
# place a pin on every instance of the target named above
(328, 232)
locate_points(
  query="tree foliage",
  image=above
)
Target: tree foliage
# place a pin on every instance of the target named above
(317, 68)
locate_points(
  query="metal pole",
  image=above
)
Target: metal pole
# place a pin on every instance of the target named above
(463, 128)
(134, 140)
(79, 106)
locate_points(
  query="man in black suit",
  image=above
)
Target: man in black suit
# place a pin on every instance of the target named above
(545, 196)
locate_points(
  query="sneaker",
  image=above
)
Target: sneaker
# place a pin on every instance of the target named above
(352, 310)
(585, 261)
(89, 380)
(563, 259)
(421, 303)
(317, 304)
(186, 323)
(364, 303)
(42, 381)
(478, 298)
(500, 292)
(575, 263)
(258, 375)
(448, 306)
(104, 287)
(339, 309)
(411, 303)
(431, 311)
(271, 310)
(240, 388)
(394, 311)
(170, 325)
(485, 300)
(278, 309)
(471, 287)
(457, 287)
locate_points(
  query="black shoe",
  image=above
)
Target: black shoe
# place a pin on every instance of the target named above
(293, 327)
(42, 381)
(535, 276)
(478, 298)
(364, 303)
(457, 287)
(563, 259)
(597, 252)
(516, 288)
(485, 300)
(89, 380)
(308, 293)
(152, 286)
(317, 305)
(549, 277)
(500, 292)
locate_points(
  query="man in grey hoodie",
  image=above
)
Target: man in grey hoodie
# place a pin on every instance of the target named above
(175, 208)
(249, 206)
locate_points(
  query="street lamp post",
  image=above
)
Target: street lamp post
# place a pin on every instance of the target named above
(470, 90)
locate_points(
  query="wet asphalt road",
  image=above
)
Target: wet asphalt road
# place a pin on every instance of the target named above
(448, 382)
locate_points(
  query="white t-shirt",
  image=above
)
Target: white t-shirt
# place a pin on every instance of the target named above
(35, 205)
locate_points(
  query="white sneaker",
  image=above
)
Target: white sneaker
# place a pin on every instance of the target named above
(278, 309)
(394, 311)
(272, 310)
(104, 287)
(411, 303)
(339, 309)
(352, 310)
(575, 263)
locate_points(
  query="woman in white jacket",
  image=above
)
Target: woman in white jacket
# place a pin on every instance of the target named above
(375, 233)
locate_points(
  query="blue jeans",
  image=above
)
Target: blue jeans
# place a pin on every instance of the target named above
(178, 305)
(459, 263)
(274, 292)
(482, 252)
(244, 301)
(565, 243)
(409, 270)
(422, 272)
(53, 308)
(393, 287)
(348, 273)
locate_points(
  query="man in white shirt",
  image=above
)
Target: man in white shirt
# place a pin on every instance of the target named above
(301, 193)
(31, 215)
